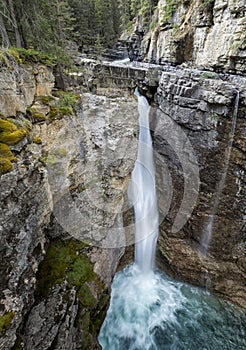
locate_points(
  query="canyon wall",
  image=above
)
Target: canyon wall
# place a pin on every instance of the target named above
(64, 218)
(61, 202)
(199, 47)
(202, 157)
(205, 34)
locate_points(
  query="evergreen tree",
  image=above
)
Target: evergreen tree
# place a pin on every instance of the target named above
(55, 26)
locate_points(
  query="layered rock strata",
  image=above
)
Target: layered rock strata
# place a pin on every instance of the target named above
(205, 34)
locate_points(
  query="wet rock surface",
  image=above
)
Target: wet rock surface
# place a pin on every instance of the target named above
(202, 108)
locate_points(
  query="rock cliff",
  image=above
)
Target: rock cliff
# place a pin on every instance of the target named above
(65, 170)
(61, 201)
(201, 149)
(206, 34)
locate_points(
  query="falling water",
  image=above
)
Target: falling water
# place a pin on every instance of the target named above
(142, 194)
(148, 310)
(207, 234)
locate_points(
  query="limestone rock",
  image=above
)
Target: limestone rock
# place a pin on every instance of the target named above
(70, 187)
(203, 34)
(202, 138)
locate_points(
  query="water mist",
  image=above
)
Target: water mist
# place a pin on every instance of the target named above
(148, 310)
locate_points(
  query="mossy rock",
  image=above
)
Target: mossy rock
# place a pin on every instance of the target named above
(5, 165)
(5, 152)
(33, 56)
(59, 112)
(34, 115)
(86, 297)
(37, 140)
(64, 260)
(7, 126)
(12, 138)
(5, 321)
(46, 100)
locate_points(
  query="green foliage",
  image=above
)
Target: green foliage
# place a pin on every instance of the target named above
(32, 56)
(67, 99)
(65, 106)
(213, 117)
(34, 115)
(206, 3)
(208, 75)
(64, 260)
(168, 10)
(46, 100)
(5, 321)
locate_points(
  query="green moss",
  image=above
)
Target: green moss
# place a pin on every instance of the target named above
(5, 152)
(67, 260)
(85, 296)
(22, 123)
(5, 165)
(37, 140)
(12, 138)
(97, 317)
(241, 112)
(47, 100)
(34, 115)
(60, 152)
(64, 260)
(208, 75)
(18, 344)
(7, 126)
(82, 271)
(85, 320)
(55, 113)
(5, 321)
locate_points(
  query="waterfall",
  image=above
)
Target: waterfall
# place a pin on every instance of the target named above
(142, 193)
(207, 233)
(148, 310)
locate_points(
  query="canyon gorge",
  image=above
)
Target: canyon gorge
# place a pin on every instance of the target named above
(66, 224)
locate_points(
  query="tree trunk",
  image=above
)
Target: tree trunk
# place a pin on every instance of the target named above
(5, 38)
(14, 22)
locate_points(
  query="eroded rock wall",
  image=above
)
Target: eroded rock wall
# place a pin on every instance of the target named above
(64, 189)
(205, 34)
(195, 139)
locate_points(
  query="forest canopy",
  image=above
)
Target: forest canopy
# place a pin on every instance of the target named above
(58, 26)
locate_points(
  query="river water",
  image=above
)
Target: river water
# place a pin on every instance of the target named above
(148, 310)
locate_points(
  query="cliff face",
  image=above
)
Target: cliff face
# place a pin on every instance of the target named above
(196, 137)
(201, 156)
(206, 34)
(54, 288)
(64, 176)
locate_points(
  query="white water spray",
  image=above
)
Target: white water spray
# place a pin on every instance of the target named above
(148, 310)
(142, 193)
